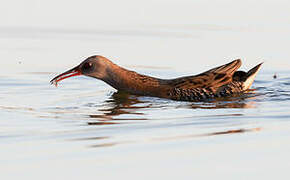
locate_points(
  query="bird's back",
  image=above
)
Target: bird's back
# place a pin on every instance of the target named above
(221, 81)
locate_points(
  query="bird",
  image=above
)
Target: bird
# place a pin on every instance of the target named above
(219, 82)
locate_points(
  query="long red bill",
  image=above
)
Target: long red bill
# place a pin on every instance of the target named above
(70, 73)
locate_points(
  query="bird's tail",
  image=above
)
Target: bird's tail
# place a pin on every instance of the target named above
(250, 76)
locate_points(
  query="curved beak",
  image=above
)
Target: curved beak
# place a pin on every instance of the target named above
(70, 73)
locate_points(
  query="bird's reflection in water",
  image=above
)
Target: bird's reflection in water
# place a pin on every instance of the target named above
(241, 102)
(122, 106)
(120, 103)
(223, 104)
(123, 103)
(130, 107)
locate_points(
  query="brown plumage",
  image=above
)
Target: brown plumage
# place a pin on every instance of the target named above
(221, 81)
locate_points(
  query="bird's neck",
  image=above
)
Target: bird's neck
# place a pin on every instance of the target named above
(132, 82)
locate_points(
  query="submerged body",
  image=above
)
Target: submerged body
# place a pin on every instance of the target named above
(221, 81)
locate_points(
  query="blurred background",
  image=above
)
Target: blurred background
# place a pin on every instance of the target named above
(49, 34)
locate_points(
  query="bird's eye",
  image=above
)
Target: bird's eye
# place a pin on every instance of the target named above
(87, 65)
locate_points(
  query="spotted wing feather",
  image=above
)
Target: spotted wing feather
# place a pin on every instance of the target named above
(213, 78)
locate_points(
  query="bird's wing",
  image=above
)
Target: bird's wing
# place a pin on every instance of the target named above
(212, 78)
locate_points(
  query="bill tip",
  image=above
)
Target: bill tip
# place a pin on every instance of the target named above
(54, 82)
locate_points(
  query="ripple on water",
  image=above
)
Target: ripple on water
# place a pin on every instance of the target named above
(95, 115)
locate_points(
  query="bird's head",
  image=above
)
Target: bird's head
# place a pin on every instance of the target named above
(94, 66)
